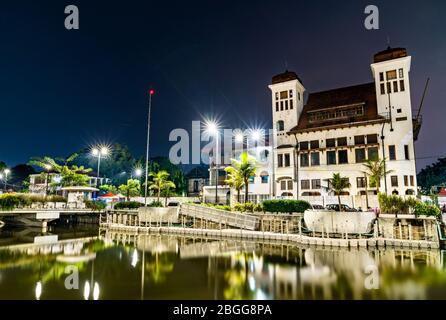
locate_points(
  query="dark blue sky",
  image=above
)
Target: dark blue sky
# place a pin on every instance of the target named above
(63, 90)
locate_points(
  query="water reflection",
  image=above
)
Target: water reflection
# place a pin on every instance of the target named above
(132, 266)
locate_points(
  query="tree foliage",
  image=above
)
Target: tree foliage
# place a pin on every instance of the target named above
(375, 170)
(160, 182)
(71, 174)
(243, 169)
(337, 185)
(131, 189)
(433, 175)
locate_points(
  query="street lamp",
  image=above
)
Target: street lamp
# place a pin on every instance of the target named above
(6, 172)
(212, 129)
(99, 152)
(151, 93)
(47, 168)
(138, 172)
(256, 135)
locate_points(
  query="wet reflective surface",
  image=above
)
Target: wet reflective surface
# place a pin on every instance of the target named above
(85, 263)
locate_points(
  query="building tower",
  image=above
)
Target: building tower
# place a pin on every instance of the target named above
(287, 95)
(390, 70)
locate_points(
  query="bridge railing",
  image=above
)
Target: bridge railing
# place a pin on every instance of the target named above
(233, 219)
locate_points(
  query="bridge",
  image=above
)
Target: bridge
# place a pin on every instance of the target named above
(39, 217)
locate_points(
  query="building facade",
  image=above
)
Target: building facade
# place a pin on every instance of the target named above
(337, 130)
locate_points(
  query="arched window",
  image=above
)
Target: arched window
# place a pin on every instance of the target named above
(395, 192)
(280, 126)
(410, 192)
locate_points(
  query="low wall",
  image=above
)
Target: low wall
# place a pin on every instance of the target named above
(154, 215)
(170, 199)
(356, 201)
(339, 222)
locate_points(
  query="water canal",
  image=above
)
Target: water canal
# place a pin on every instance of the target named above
(110, 265)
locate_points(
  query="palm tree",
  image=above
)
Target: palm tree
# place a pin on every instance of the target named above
(376, 170)
(243, 169)
(338, 184)
(131, 189)
(234, 180)
(160, 182)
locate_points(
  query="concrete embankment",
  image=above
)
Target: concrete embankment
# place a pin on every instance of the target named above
(270, 236)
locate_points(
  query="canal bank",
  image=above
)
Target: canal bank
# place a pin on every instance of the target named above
(297, 239)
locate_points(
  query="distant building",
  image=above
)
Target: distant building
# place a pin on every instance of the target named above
(337, 130)
(196, 179)
(38, 183)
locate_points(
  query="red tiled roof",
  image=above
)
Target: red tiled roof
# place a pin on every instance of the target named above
(389, 54)
(286, 76)
(363, 94)
(442, 192)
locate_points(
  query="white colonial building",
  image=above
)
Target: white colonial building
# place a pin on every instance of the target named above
(335, 131)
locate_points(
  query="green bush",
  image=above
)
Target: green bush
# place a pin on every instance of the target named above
(394, 204)
(155, 204)
(35, 198)
(248, 207)
(56, 198)
(258, 207)
(95, 205)
(424, 209)
(286, 206)
(25, 200)
(9, 201)
(223, 207)
(128, 205)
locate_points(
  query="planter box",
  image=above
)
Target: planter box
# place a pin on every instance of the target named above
(339, 222)
(155, 215)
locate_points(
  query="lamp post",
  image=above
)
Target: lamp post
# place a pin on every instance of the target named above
(212, 129)
(99, 152)
(151, 93)
(6, 172)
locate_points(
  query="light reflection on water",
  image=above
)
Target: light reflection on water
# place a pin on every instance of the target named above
(129, 266)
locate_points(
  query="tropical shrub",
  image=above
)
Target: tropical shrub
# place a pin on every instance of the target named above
(25, 199)
(394, 204)
(285, 206)
(9, 201)
(56, 198)
(128, 205)
(424, 209)
(248, 207)
(95, 205)
(155, 204)
(223, 207)
(36, 198)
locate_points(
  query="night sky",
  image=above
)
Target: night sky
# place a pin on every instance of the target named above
(63, 90)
